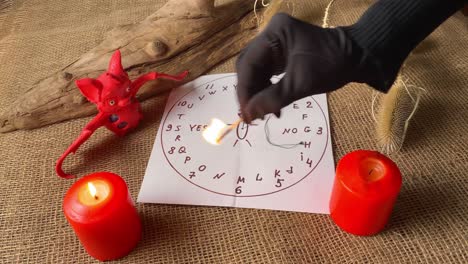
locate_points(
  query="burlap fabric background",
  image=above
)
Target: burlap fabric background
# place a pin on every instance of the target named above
(429, 223)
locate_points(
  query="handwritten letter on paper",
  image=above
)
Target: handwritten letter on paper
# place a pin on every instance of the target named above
(279, 164)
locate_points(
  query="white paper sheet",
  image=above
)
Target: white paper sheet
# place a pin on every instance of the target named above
(278, 164)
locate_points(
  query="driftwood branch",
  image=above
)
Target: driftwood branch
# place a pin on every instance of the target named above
(189, 35)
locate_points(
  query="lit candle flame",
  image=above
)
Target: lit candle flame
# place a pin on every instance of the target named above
(92, 190)
(213, 132)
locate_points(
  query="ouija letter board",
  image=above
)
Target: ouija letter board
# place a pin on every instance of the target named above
(277, 163)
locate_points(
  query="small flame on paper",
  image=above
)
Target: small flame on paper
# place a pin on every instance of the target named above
(92, 190)
(213, 132)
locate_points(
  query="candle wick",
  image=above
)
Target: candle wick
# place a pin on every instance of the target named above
(96, 197)
(371, 171)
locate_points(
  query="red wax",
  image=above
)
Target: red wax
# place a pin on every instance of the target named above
(106, 223)
(366, 186)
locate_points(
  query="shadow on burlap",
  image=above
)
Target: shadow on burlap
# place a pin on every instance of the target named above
(429, 223)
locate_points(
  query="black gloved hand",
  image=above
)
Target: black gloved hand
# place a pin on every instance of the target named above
(318, 60)
(315, 60)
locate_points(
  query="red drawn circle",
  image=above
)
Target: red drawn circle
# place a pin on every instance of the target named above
(234, 195)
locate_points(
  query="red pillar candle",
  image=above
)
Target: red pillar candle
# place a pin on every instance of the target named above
(102, 213)
(366, 186)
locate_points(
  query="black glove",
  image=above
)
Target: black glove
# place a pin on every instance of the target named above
(315, 60)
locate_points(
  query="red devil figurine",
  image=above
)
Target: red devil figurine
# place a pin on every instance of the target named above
(114, 94)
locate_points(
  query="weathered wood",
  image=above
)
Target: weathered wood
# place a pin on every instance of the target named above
(189, 35)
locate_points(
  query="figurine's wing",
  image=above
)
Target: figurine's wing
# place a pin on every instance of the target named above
(90, 88)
